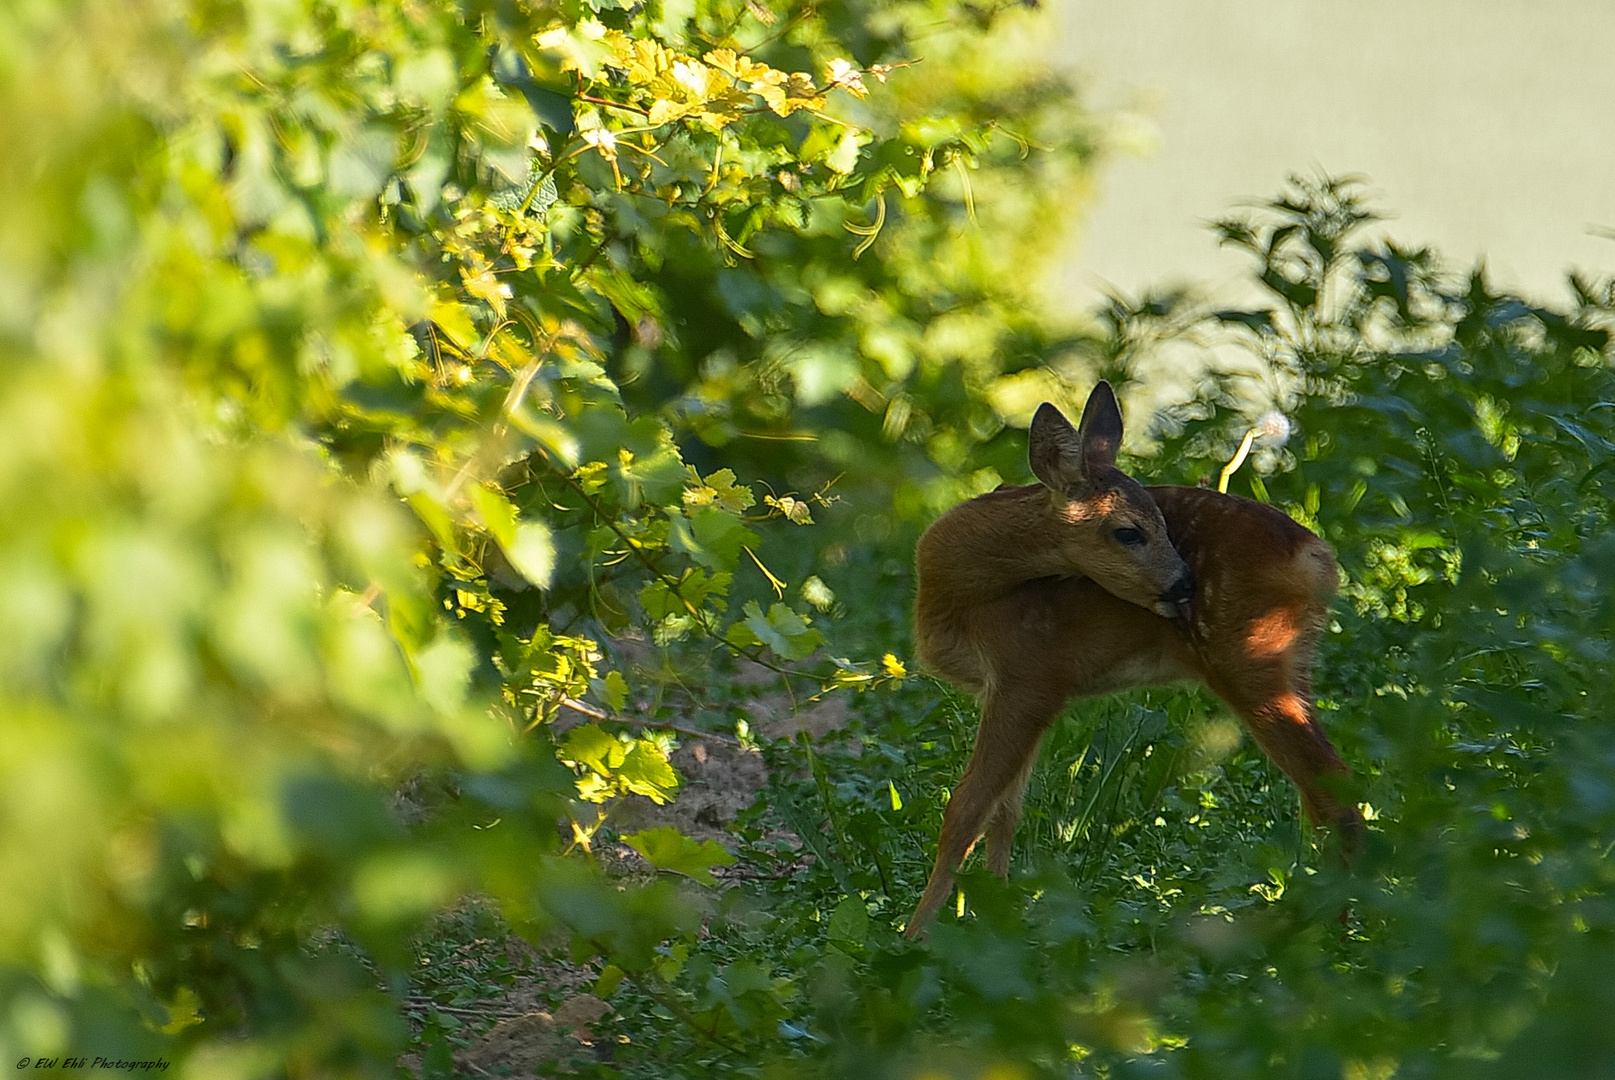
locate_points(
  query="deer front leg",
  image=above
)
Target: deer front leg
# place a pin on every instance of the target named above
(1012, 724)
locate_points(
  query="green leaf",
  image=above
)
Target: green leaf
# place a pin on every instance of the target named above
(428, 78)
(844, 158)
(553, 110)
(610, 977)
(784, 631)
(527, 544)
(532, 552)
(615, 690)
(747, 977)
(443, 672)
(646, 771)
(495, 512)
(395, 885)
(552, 436)
(821, 372)
(593, 747)
(849, 922)
(712, 536)
(662, 600)
(634, 300)
(658, 475)
(721, 490)
(665, 848)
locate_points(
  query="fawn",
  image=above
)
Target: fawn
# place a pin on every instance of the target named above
(1088, 583)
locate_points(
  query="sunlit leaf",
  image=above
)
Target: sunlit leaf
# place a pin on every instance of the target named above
(665, 848)
(592, 746)
(645, 770)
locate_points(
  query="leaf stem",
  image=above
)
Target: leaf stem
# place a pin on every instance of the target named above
(655, 725)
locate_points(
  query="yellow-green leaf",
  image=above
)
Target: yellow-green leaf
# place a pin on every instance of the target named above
(495, 513)
(610, 976)
(668, 849)
(615, 690)
(527, 544)
(646, 771)
(720, 489)
(533, 552)
(593, 747)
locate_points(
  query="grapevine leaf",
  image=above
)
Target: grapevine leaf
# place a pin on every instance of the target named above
(665, 848)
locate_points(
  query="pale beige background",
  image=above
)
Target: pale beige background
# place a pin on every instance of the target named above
(1488, 127)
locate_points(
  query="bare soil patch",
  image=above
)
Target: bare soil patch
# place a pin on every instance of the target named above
(531, 1037)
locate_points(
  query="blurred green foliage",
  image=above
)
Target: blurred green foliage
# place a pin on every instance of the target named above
(371, 367)
(411, 409)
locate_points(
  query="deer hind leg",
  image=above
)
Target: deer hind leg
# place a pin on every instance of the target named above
(1001, 828)
(1012, 724)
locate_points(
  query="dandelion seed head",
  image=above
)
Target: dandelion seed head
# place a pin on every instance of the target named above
(1273, 427)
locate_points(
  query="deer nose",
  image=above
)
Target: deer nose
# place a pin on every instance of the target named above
(1182, 589)
(1180, 596)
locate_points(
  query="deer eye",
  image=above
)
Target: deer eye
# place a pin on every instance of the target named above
(1129, 537)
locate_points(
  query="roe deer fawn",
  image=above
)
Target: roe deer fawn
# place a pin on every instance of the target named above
(1089, 583)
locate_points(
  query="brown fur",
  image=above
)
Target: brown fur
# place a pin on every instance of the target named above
(1024, 600)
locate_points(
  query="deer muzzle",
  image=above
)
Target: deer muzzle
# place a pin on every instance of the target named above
(1177, 602)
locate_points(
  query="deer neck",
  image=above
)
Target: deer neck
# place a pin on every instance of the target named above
(985, 548)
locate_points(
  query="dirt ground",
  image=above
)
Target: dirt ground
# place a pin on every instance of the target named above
(531, 1038)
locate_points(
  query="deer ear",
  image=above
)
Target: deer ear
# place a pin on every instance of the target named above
(1055, 450)
(1100, 433)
